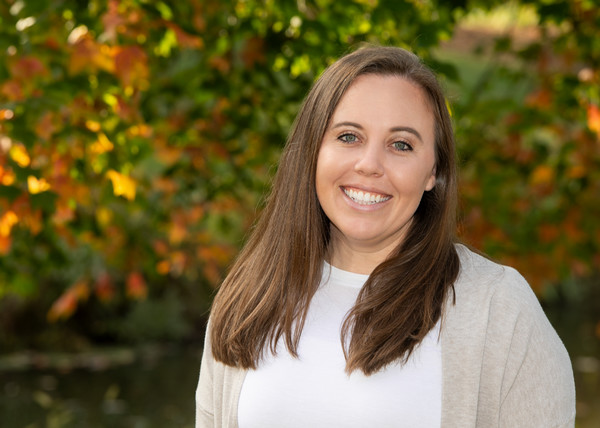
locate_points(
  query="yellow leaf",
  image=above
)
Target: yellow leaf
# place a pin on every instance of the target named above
(36, 185)
(7, 221)
(104, 216)
(92, 125)
(122, 184)
(101, 145)
(19, 154)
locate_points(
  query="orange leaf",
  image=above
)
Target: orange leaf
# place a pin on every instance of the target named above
(104, 288)
(593, 118)
(7, 221)
(12, 90)
(63, 214)
(131, 67)
(576, 171)
(163, 267)
(86, 54)
(185, 40)
(27, 68)
(542, 175)
(254, 52)
(64, 307)
(5, 244)
(33, 221)
(136, 286)
(112, 21)
(7, 176)
(101, 145)
(540, 99)
(67, 303)
(46, 126)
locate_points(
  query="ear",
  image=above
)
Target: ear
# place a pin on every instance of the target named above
(431, 180)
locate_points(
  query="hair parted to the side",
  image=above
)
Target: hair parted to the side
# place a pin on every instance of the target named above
(266, 295)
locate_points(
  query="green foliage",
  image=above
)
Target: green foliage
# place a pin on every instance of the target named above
(138, 138)
(529, 137)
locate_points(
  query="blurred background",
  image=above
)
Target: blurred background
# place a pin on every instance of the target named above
(138, 139)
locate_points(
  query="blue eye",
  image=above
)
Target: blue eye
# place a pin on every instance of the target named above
(402, 146)
(348, 138)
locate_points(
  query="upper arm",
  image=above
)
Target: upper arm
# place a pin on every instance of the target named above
(204, 391)
(537, 386)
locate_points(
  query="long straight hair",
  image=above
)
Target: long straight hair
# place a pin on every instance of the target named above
(267, 293)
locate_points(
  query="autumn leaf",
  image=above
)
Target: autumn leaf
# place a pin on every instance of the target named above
(112, 21)
(19, 154)
(163, 267)
(185, 40)
(93, 125)
(593, 118)
(131, 67)
(63, 214)
(541, 99)
(101, 145)
(136, 286)
(66, 304)
(7, 176)
(37, 185)
(254, 52)
(542, 175)
(46, 126)
(104, 288)
(28, 68)
(87, 54)
(12, 90)
(5, 244)
(122, 184)
(7, 221)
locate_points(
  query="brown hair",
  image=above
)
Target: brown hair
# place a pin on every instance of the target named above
(267, 293)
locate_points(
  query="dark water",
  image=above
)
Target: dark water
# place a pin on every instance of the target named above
(156, 389)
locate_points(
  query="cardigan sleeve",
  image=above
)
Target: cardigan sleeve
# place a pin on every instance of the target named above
(537, 387)
(204, 391)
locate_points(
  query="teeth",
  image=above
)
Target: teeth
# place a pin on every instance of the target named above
(365, 198)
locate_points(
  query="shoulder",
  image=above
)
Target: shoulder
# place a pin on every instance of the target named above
(484, 282)
(498, 325)
(497, 312)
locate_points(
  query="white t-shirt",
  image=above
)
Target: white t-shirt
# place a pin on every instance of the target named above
(314, 391)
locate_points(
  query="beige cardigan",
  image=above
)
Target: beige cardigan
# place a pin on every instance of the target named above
(503, 365)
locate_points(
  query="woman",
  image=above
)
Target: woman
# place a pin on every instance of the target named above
(352, 305)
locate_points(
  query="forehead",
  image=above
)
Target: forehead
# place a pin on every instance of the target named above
(388, 100)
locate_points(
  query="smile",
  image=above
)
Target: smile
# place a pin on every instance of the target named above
(365, 198)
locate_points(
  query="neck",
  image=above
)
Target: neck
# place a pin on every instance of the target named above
(357, 258)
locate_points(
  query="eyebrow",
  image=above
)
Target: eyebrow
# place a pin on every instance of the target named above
(393, 129)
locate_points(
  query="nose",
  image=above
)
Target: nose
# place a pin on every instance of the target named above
(370, 161)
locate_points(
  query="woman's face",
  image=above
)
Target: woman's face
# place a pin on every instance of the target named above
(376, 159)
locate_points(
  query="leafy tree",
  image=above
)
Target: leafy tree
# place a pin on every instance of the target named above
(138, 137)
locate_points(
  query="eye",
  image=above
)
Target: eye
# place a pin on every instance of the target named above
(348, 138)
(402, 146)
